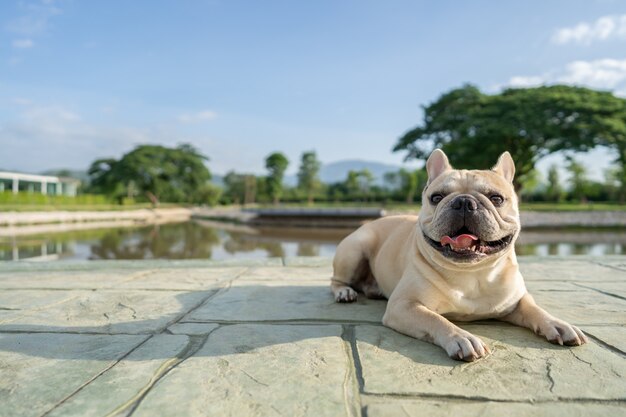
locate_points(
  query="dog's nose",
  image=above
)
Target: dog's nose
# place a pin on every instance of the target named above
(465, 203)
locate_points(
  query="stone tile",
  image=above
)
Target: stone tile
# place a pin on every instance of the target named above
(571, 270)
(67, 279)
(40, 370)
(522, 367)
(109, 312)
(249, 262)
(14, 303)
(289, 274)
(583, 307)
(614, 336)
(257, 370)
(183, 278)
(565, 286)
(195, 329)
(446, 408)
(617, 262)
(134, 265)
(281, 300)
(309, 261)
(613, 288)
(126, 381)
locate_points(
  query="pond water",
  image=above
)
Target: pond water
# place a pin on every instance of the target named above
(210, 240)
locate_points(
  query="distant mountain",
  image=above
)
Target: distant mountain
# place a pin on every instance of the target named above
(338, 171)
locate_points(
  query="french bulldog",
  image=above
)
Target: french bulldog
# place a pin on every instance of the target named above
(455, 261)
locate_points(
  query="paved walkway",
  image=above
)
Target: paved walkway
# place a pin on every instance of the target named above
(264, 338)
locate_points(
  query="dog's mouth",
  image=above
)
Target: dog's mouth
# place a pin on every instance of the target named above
(465, 245)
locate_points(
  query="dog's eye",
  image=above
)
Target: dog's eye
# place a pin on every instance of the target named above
(496, 199)
(436, 198)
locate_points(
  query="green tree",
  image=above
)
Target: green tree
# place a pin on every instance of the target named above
(475, 128)
(104, 178)
(554, 191)
(308, 175)
(615, 181)
(412, 182)
(234, 187)
(276, 163)
(153, 171)
(358, 184)
(579, 183)
(391, 180)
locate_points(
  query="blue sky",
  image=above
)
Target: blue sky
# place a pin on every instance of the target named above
(80, 80)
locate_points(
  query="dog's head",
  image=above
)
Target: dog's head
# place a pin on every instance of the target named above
(469, 216)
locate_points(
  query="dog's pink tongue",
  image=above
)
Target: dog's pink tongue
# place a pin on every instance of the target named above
(463, 241)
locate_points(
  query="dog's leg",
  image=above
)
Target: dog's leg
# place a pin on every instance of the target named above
(416, 320)
(350, 267)
(528, 314)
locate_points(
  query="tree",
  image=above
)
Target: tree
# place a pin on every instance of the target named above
(358, 183)
(475, 128)
(554, 191)
(391, 180)
(276, 163)
(578, 179)
(153, 171)
(412, 182)
(308, 179)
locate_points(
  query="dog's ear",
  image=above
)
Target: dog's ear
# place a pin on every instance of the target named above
(505, 166)
(437, 164)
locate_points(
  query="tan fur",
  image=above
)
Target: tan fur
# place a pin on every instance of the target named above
(390, 257)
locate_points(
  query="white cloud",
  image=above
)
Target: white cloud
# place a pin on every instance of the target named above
(23, 43)
(45, 114)
(602, 73)
(21, 101)
(198, 117)
(43, 137)
(606, 74)
(584, 33)
(526, 81)
(33, 22)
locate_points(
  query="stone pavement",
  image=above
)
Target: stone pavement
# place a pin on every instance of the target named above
(264, 338)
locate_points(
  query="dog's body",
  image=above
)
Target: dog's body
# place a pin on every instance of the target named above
(456, 261)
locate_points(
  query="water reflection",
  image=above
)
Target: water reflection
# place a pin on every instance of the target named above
(207, 240)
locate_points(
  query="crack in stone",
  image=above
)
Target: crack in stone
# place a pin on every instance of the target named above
(88, 382)
(193, 346)
(581, 359)
(617, 268)
(482, 399)
(606, 345)
(549, 374)
(353, 381)
(134, 312)
(254, 379)
(600, 291)
(178, 319)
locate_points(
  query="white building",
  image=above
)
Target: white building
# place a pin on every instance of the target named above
(44, 184)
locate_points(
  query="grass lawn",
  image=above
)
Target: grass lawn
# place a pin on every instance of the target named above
(394, 206)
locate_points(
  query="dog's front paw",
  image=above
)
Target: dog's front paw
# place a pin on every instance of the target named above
(464, 346)
(561, 333)
(345, 295)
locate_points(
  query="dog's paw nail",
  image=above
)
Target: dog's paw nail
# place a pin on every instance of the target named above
(346, 295)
